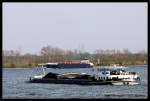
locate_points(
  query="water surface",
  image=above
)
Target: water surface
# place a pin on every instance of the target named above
(15, 86)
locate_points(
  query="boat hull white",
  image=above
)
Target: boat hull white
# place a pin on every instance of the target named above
(125, 83)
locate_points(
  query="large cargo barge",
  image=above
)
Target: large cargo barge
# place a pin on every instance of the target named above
(104, 76)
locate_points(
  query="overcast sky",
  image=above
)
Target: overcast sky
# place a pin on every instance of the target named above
(86, 26)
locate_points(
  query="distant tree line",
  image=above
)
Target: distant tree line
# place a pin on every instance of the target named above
(14, 58)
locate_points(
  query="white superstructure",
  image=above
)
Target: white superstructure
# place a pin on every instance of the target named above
(117, 75)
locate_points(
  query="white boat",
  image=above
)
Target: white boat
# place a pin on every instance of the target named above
(117, 75)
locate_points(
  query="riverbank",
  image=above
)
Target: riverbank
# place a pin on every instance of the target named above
(35, 65)
(19, 65)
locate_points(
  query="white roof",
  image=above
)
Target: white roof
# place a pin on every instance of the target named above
(47, 64)
(52, 63)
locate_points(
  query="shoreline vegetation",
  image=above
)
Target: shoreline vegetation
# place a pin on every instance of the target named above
(14, 58)
(94, 66)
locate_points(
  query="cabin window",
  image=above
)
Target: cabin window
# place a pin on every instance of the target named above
(106, 72)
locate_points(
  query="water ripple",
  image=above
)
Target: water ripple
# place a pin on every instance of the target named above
(15, 87)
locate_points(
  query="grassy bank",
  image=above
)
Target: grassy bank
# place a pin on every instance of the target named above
(19, 65)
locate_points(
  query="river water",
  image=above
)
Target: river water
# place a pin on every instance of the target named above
(14, 86)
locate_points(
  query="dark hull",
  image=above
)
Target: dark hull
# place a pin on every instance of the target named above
(79, 79)
(73, 81)
(69, 66)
